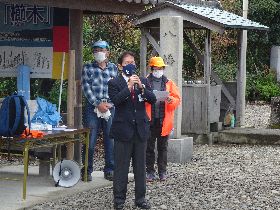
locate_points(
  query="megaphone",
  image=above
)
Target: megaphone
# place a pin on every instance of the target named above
(66, 173)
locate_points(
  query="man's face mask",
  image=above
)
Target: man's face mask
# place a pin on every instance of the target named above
(99, 57)
(129, 69)
(157, 73)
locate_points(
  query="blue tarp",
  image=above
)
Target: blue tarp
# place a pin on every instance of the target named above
(46, 113)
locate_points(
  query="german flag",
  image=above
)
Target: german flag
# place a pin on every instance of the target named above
(61, 41)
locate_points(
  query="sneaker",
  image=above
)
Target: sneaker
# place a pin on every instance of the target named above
(163, 176)
(150, 177)
(109, 175)
(143, 205)
(89, 177)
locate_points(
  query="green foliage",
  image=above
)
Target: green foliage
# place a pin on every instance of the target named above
(260, 83)
(87, 34)
(54, 95)
(36, 88)
(192, 68)
(117, 30)
(267, 87)
(262, 86)
(266, 12)
(276, 126)
(7, 86)
(226, 71)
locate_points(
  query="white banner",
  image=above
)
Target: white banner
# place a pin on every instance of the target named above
(39, 59)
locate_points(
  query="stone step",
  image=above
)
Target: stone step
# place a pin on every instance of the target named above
(249, 136)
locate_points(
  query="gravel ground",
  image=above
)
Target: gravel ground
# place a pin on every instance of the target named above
(15, 160)
(257, 115)
(218, 177)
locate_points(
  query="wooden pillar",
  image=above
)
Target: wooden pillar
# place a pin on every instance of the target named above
(207, 79)
(143, 54)
(241, 74)
(76, 43)
(171, 50)
(71, 101)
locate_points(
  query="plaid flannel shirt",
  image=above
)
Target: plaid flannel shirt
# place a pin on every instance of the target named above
(95, 82)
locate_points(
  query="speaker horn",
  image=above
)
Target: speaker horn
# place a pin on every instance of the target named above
(66, 173)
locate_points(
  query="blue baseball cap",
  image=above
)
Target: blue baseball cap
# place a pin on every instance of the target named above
(100, 44)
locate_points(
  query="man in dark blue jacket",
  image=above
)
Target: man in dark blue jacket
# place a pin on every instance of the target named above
(130, 130)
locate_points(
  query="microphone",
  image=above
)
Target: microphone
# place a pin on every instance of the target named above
(135, 86)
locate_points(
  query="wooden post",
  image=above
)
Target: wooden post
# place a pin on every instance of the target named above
(207, 79)
(71, 101)
(76, 43)
(143, 54)
(241, 75)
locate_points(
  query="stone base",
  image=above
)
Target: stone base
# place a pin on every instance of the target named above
(180, 150)
(199, 138)
(252, 136)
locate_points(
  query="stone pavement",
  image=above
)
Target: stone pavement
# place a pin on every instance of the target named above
(39, 189)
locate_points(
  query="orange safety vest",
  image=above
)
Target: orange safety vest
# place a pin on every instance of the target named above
(167, 124)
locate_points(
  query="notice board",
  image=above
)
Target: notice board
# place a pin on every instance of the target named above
(36, 36)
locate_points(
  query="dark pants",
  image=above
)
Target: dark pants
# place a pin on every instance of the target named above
(123, 152)
(162, 144)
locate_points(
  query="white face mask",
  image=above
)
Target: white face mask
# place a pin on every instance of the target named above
(157, 73)
(99, 57)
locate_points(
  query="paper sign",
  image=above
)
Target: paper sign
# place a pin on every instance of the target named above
(39, 59)
(161, 95)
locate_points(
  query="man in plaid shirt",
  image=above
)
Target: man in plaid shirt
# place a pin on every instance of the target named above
(99, 110)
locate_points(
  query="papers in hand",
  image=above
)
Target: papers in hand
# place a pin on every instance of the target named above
(105, 115)
(161, 95)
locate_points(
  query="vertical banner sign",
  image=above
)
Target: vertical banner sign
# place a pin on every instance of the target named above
(28, 35)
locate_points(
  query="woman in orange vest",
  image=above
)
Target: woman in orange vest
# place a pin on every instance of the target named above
(161, 115)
